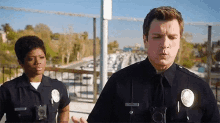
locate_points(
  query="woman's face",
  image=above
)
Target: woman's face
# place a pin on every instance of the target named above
(34, 62)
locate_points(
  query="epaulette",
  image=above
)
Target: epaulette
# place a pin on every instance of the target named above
(183, 69)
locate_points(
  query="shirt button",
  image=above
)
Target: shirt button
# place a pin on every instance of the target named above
(131, 112)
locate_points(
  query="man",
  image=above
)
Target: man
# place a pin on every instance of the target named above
(157, 89)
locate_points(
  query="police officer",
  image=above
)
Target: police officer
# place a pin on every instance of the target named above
(33, 97)
(157, 89)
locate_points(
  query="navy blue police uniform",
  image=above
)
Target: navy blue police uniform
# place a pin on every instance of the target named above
(128, 96)
(18, 99)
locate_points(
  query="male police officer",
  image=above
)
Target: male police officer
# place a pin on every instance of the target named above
(131, 94)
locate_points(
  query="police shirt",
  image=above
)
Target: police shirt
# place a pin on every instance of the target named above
(128, 96)
(19, 99)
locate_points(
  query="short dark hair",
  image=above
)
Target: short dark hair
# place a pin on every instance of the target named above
(26, 44)
(162, 13)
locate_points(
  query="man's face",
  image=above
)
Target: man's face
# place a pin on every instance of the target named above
(34, 62)
(163, 43)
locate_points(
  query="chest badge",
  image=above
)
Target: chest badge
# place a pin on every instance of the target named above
(55, 95)
(187, 97)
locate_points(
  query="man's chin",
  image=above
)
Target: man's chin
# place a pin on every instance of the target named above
(164, 62)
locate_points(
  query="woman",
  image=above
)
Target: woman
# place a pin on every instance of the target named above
(33, 97)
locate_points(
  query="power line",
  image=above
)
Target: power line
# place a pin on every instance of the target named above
(95, 16)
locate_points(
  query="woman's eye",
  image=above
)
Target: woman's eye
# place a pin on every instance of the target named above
(42, 57)
(30, 59)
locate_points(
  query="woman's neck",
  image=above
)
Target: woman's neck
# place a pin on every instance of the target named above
(35, 78)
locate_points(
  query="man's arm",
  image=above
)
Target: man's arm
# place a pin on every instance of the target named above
(63, 115)
(102, 111)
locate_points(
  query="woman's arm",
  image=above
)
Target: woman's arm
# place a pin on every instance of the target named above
(63, 115)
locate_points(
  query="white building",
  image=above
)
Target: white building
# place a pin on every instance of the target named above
(3, 35)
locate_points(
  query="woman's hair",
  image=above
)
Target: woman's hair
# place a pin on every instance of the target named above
(163, 13)
(26, 44)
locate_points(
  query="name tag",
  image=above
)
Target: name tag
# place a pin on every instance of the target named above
(131, 104)
(21, 109)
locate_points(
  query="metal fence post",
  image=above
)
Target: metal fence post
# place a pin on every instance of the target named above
(94, 62)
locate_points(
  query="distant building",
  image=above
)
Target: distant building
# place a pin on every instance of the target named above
(3, 35)
(127, 49)
(215, 46)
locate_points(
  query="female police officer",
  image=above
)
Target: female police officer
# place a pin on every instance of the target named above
(33, 97)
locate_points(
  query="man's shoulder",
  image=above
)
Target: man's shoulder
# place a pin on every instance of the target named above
(131, 69)
(192, 76)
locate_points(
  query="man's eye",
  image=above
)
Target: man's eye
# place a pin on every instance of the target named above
(156, 37)
(172, 37)
(42, 57)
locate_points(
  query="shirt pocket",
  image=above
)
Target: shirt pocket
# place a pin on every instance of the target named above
(25, 114)
(52, 111)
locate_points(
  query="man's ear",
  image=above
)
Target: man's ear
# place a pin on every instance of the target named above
(145, 41)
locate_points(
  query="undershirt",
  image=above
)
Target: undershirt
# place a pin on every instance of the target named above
(35, 84)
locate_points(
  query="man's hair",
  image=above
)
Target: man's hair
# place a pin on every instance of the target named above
(163, 13)
(26, 44)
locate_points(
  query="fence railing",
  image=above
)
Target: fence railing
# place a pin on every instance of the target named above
(79, 83)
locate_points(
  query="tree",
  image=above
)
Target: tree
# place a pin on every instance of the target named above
(55, 36)
(44, 32)
(217, 56)
(7, 28)
(112, 46)
(185, 54)
(29, 27)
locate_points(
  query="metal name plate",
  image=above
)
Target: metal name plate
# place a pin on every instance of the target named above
(21, 109)
(131, 104)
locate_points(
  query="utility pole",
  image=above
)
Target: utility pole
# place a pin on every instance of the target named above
(106, 14)
(209, 55)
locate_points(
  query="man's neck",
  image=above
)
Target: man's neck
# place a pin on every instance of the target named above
(159, 68)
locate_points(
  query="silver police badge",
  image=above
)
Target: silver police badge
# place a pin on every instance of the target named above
(187, 97)
(55, 95)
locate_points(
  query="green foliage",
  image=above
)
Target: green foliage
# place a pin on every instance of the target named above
(187, 63)
(204, 59)
(185, 54)
(12, 36)
(217, 56)
(112, 46)
(7, 28)
(29, 27)
(55, 36)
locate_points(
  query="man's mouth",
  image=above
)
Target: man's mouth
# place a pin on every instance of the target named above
(39, 68)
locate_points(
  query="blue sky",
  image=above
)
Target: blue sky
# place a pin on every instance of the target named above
(125, 32)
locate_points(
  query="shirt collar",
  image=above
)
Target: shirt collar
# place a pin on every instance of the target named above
(169, 74)
(24, 82)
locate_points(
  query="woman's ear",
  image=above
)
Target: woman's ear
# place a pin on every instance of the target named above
(20, 63)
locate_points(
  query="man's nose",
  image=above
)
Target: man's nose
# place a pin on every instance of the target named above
(165, 43)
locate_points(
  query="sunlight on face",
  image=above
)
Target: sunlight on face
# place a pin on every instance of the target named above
(163, 43)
